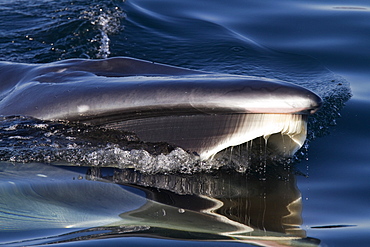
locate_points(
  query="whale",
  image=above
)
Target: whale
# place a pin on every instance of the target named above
(201, 112)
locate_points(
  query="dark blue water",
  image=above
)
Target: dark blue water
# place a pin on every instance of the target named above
(321, 199)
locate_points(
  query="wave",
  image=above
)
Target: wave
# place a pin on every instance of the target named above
(64, 29)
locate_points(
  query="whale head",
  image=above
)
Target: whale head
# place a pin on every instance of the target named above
(198, 111)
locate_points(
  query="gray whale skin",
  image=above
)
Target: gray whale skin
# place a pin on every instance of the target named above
(198, 111)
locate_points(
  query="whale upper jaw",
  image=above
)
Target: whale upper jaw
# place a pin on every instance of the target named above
(198, 111)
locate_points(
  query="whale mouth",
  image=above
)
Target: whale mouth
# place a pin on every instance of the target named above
(208, 134)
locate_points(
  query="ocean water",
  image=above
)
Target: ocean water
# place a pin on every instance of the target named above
(61, 185)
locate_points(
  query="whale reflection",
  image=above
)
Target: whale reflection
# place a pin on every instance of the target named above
(104, 203)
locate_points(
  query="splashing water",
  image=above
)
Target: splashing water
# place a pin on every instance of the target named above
(61, 30)
(107, 21)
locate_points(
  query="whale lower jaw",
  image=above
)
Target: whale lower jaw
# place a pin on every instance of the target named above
(207, 135)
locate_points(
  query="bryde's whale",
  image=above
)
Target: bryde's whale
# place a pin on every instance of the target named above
(199, 111)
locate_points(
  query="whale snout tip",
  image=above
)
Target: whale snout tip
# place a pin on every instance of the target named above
(316, 103)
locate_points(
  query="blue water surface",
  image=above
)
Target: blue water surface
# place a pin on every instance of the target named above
(322, 45)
